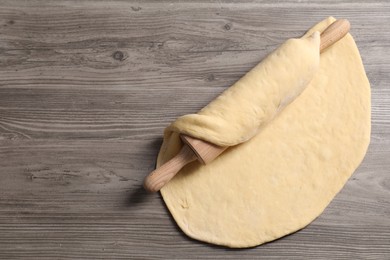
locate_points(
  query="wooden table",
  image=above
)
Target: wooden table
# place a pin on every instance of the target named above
(87, 87)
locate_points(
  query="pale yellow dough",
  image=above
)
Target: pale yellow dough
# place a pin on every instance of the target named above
(293, 164)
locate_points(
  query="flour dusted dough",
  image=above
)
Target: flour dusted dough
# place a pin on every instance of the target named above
(294, 164)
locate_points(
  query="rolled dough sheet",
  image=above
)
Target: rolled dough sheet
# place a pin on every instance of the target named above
(284, 177)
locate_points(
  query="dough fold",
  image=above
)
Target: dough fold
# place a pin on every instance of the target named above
(293, 164)
(243, 109)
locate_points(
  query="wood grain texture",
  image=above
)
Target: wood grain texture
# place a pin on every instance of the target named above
(87, 87)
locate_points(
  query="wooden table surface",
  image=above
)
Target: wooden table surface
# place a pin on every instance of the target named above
(87, 87)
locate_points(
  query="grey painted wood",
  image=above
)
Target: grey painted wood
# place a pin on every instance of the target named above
(87, 87)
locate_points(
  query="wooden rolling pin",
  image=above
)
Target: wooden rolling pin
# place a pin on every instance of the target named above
(205, 152)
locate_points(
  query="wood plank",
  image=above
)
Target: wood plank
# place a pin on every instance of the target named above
(86, 89)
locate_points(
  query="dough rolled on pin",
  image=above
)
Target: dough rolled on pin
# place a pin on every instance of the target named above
(244, 108)
(260, 95)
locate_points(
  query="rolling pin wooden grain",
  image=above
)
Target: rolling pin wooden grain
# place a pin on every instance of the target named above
(205, 152)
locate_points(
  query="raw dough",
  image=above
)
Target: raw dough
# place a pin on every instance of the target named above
(244, 108)
(283, 178)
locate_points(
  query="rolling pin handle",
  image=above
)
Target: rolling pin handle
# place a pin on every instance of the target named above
(162, 175)
(334, 33)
